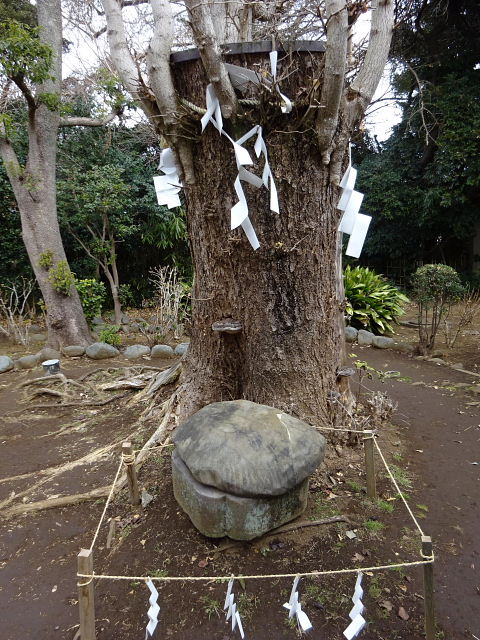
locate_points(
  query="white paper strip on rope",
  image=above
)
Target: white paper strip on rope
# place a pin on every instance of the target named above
(231, 608)
(153, 611)
(358, 622)
(287, 106)
(167, 187)
(352, 222)
(358, 235)
(295, 608)
(351, 210)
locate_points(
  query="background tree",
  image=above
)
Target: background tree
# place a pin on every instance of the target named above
(423, 184)
(108, 171)
(30, 62)
(285, 295)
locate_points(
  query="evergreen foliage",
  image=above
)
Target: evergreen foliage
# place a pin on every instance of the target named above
(372, 302)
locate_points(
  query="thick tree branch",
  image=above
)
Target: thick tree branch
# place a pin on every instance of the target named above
(364, 85)
(158, 61)
(73, 121)
(123, 59)
(207, 43)
(334, 75)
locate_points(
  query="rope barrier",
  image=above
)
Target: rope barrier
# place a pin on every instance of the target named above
(130, 459)
(107, 502)
(397, 487)
(271, 576)
(160, 446)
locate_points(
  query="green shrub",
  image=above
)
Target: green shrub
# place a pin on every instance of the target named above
(46, 259)
(435, 288)
(92, 296)
(372, 303)
(61, 278)
(110, 334)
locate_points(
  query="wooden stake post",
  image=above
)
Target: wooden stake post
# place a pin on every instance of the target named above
(428, 589)
(370, 464)
(129, 459)
(86, 602)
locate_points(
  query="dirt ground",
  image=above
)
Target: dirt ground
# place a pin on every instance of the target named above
(431, 444)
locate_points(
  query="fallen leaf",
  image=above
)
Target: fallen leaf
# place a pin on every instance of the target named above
(386, 604)
(403, 614)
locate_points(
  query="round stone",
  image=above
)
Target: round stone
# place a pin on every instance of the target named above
(27, 362)
(248, 449)
(101, 351)
(181, 348)
(351, 334)
(136, 351)
(73, 351)
(162, 351)
(6, 364)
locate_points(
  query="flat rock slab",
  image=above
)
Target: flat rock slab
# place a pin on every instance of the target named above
(248, 449)
(217, 513)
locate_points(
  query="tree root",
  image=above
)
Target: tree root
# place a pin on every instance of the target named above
(100, 403)
(286, 528)
(94, 494)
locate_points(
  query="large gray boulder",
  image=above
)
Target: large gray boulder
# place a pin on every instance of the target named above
(6, 364)
(101, 351)
(217, 513)
(162, 351)
(248, 449)
(135, 351)
(365, 338)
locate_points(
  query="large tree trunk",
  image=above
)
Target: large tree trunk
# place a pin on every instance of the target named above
(285, 293)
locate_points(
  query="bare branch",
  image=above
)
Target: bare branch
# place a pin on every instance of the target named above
(73, 121)
(334, 75)
(207, 43)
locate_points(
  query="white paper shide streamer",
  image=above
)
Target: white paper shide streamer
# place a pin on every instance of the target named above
(358, 622)
(153, 611)
(167, 187)
(353, 223)
(231, 609)
(295, 608)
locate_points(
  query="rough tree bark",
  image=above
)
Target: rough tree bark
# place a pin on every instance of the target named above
(287, 295)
